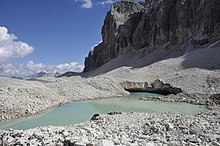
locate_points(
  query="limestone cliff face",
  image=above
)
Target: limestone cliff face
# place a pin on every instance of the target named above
(155, 24)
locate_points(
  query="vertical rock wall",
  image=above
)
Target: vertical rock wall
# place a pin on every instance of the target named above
(155, 24)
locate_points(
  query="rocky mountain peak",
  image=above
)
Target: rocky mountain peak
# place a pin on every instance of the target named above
(119, 14)
(155, 24)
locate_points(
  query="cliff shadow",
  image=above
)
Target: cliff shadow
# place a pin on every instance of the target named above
(205, 58)
(133, 60)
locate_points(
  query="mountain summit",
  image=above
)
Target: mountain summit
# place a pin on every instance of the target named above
(164, 25)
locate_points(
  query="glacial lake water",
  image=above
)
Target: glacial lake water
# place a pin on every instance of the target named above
(83, 111)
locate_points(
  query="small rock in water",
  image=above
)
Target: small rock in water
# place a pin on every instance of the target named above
(94, 117)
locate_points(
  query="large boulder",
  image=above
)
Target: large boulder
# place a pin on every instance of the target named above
(162, 88)
(156, 86)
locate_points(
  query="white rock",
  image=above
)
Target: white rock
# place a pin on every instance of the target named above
(106, 143)
(65, 133)
(79, 144)
(150, 144)
(169, 126)
(10, 139)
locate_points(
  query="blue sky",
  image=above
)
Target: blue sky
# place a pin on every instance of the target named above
(59, 32)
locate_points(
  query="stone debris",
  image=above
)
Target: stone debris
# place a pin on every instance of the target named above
(126, 129)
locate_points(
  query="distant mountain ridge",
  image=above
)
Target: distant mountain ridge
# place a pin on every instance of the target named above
(165, 25)
(43, 74)
(37, 75)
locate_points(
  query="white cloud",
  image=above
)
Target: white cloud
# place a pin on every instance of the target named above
(87, 4)
(31, 68)
(104, 2)
(73, 66)
(10, 48)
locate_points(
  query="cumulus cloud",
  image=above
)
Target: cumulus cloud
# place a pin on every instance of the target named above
(31, 68)
(10, 48)
(87, 4)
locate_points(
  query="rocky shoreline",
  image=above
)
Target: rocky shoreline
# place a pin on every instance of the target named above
(130, 129)
(21, 98)
(210, 101)
(181, 98)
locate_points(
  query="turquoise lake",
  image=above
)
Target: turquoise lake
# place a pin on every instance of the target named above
(83, 111)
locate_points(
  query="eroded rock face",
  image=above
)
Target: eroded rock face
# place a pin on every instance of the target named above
(156, 86)
(155, 24)
(129, 85)
(114, 33)
(159, 86)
